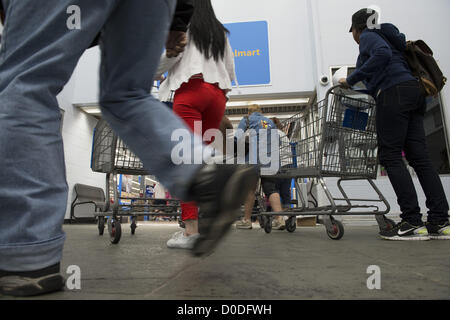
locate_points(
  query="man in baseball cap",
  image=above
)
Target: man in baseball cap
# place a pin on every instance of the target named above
(364, 18)
(401, 105)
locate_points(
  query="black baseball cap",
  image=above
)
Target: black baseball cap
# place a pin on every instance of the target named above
(361, 17)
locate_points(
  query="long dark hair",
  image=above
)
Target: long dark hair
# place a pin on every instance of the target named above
(208, 34)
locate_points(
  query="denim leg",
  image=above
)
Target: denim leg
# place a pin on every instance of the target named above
(132, 42)
(392, 131)
(418, 157)
(37, 58)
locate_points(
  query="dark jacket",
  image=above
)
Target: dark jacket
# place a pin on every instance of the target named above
(381, 64)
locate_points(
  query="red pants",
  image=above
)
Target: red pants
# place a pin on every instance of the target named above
(203, 102)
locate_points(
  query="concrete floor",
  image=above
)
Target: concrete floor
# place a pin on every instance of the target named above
(253, 265)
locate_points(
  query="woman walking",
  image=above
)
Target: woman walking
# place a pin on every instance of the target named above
(200, 78)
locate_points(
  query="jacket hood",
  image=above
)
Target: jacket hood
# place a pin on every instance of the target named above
(393, 35)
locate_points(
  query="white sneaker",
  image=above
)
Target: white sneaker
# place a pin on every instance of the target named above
(180, 241)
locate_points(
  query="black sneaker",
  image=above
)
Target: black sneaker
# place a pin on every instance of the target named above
(31, 283)
(219, 191)
(406, 231)
(439, 231)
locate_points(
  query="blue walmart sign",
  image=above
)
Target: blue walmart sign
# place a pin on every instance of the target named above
(250, 43)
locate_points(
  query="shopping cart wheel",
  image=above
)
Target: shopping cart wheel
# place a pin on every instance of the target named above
(261, 221)
(101, 225)
(337, 230)
(291, 224)
(115, 230)
(268, 224)
(133, 225)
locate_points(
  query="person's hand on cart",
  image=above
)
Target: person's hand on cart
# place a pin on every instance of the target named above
(343, 83)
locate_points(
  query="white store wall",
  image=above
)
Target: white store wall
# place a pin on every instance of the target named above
(418, 19)
(289, 40)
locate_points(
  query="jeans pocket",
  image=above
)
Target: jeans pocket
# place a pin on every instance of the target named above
(409, 97)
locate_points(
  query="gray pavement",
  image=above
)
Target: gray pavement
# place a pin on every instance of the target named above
(251, 265)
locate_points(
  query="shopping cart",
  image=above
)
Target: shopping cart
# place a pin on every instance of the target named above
(110, 155)
(334, 138)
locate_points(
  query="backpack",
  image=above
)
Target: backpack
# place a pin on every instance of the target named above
(423, 66)
(420, 59)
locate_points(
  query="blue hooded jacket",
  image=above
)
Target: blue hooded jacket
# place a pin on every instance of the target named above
(381, 64)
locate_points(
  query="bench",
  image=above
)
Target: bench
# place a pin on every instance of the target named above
(85, 194)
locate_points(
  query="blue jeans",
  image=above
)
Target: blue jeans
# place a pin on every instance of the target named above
(37, 58)
(400, 116)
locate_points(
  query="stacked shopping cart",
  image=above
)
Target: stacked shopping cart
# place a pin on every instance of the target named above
(334, 138)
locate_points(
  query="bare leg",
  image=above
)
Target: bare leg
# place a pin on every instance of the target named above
(249, 206)
(275, 203)
(191, 227)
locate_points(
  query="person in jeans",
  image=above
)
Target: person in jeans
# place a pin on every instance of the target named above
(257, 121)
(401, 106)
(37, 58)
(201, 79)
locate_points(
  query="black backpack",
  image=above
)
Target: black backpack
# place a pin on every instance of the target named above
(424, 67)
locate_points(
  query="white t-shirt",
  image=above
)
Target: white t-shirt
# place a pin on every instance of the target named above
(192, 62)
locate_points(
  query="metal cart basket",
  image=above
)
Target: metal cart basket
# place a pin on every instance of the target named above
(336, 137)
(110, 155)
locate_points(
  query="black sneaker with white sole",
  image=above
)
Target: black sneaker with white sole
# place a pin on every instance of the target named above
(439, 231)
(219, 191)
(31, 283)
(405, 231)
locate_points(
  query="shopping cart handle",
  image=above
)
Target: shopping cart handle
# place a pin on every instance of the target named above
(363, 91)
(352, 89)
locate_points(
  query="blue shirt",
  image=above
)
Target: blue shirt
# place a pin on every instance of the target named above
(257, 122)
